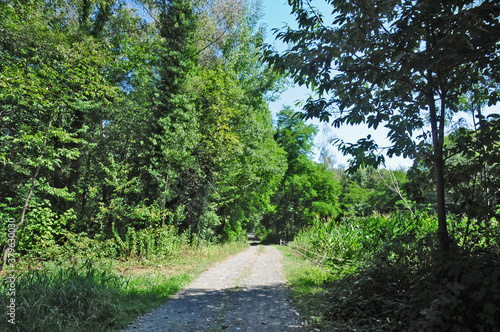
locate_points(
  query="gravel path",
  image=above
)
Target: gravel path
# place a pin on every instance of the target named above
(244, 293)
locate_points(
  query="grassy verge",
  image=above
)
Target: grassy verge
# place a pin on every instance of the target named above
(308, 282)
(103, 295)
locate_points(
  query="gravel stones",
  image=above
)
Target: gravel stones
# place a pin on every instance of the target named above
(246, 292)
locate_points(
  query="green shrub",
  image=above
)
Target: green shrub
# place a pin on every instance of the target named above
(460, 294)
(73, 247)
(150, 242)
(82, 246)
(378, 230)
(409, 285)
(402, 280)
(146, 243)
(42, 227)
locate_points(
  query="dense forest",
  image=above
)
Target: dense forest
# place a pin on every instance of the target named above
(129, 128)
(113, 120)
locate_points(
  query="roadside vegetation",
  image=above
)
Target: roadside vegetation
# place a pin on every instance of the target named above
(136, 149)
(393, 277)
(423, 254)
(83, 292)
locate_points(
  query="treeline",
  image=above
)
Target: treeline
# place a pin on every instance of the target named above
(119, 117)
(322, 192)
(327, 192)
(123, 115)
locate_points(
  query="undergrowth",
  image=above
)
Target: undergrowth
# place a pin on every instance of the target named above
(406, 283)
(77, 298)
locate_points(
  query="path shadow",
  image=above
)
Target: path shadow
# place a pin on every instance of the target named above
(260, 308)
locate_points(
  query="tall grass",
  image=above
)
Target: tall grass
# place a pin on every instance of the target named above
(355, 239)
(79, 298)
(340, 241)
(402, 281)
(157, 241)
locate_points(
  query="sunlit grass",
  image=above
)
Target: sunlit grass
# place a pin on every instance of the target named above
(307, 281)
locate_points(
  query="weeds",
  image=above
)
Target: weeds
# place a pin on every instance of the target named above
(78, 298)
(403, 282)
(308, 282)
(356, 239)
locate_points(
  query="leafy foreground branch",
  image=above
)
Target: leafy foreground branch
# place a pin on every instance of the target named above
(103, 295)
(406, 285)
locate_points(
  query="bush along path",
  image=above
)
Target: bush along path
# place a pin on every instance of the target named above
(244, 293)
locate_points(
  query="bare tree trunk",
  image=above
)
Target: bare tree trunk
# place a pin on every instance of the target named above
(437, 128)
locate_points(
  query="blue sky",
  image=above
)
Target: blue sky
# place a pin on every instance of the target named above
(276, 15)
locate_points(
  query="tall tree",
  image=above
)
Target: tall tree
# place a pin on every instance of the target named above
(471, 171)
(48, 74)
(249, 164)
(404, 64)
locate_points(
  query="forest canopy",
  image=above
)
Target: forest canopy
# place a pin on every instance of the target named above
(119, 115)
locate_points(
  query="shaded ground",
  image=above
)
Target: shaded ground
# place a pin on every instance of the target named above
(244, 293)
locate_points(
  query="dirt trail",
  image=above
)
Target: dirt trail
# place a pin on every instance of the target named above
(244, 293)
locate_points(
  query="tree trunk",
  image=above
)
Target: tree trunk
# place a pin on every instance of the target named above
(443, 238)
(437, 129)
